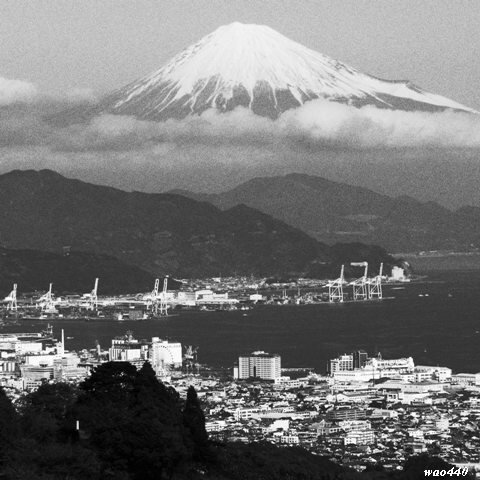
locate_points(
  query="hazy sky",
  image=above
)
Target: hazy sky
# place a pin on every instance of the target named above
(73, 49)
(103, 44)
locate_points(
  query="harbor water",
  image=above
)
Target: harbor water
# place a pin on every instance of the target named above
(436, 321)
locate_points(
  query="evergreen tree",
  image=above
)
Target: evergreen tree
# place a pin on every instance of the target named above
(157, 433)
(103, 410)
(47, 412)
(8, 429)
(194, 421)
(133, 421)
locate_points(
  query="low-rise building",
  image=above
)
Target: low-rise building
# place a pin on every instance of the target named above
(466, 379)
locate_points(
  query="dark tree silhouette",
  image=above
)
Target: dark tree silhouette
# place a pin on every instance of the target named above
(8, 425)
(47, 412)
(133, 420)
(194, 421)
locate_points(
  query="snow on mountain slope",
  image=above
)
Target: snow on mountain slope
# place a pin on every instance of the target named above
(256, 67)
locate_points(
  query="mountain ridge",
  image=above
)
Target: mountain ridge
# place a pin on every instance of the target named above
(69, 272)
(334, 212)
(160, 233)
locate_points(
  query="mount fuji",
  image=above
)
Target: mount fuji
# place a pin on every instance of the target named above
(255, 67)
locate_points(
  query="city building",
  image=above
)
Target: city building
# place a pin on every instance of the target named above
(465, 379)
(209, 297)
(359, 437)
(160, 353)
(259, 364)
(128, 349)
(342, 363)
(426, 372)
(398, 275)
(360, 358)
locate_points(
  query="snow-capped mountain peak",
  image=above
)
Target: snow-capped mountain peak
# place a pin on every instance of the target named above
(258, 68)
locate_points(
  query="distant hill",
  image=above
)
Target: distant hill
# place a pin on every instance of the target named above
(335, 212)
(159, 233)
(34, 270)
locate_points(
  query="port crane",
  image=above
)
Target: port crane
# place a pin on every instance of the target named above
(46, 301)
(163, 308)
(93, 298)
(335, 287)
(375, 285)
(151, 298)
(360, 285)
(12, 299)
(158, 300)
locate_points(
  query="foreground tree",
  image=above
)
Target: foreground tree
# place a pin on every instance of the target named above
(133, 421)
(194, 421)
(47, 412)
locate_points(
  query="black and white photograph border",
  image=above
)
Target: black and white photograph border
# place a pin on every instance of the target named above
(239, 240)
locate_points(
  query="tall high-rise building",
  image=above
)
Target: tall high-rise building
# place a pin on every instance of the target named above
(259, 364)
(360, 358)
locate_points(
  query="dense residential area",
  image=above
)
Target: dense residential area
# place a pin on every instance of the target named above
(356, 425)
(122, 422)
(367, 415)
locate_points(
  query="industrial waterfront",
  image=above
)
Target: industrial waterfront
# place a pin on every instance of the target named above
(362, 382)
(435, 321)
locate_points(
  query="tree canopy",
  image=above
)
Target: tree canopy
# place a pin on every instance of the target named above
(134, 427)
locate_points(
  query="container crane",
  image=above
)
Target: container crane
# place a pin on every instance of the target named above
(335, 288)
(90, 300)
(93, 297)
(375, 285)
(360, 285)
(157, 301)
(151, 298)
(12, 299)
(46, 301)
(163, 310)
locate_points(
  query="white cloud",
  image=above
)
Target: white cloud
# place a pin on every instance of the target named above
(324, 122)
(318, 124)
(12, 91)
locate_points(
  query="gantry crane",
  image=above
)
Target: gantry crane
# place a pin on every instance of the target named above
(157, 301)
(360, 285)
(46, 301)
(93, 297)
(12, 299)
(375, 285)
(335, 288)
(163, 308)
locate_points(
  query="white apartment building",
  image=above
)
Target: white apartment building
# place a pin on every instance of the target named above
(374, 368)
(401, 365)
(359, 437)
(259, 365)
(427, 372)
(342, 363)
(466, 379)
